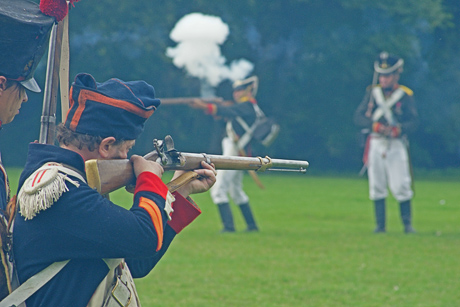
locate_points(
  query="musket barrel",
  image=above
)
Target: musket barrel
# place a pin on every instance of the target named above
(177, 100)
(289, 164)
(243, 163)
(47, 114)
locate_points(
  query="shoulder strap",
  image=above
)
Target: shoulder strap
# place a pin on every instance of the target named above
(247, 136)
(34, 283)
(30, 286)
(7, 182)
(258, 110)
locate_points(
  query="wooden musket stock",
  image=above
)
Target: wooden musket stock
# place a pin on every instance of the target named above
(109, 175)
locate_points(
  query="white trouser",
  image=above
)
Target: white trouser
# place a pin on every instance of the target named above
(229, 181)
(388, 166)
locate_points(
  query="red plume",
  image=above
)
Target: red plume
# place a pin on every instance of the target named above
(55, 8)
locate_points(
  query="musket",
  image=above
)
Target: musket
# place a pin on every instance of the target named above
(368, 113)
(109, 175)
(189, 100)
(48, 118)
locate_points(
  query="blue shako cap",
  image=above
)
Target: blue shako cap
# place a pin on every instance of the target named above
(24, 40)
(112, 108)
(387, 63)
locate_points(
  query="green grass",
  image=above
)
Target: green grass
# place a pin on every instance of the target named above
(315, 248)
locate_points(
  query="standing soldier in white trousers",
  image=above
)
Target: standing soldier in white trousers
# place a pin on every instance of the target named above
(388, 111)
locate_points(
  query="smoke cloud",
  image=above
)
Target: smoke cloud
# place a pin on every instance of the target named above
(198, 39)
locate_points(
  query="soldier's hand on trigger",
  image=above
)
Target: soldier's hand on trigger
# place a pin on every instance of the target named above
(142, 165)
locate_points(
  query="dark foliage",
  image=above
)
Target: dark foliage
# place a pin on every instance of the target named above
(314, 60)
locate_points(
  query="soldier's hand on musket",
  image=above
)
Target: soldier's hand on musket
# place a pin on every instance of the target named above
(218, 100)
(386, 130)
(205, 180)
(199, 104)
(394, 131)
(142, 165)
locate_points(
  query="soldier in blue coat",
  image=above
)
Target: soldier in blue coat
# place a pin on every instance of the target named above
(61, 218)
(24, 38)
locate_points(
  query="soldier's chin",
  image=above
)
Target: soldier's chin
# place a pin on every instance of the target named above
(9, 120)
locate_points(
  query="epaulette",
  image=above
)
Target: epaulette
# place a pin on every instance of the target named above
(406, 90)
(44, 187)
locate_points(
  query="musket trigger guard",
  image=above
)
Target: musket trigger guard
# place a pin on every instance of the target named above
(206, 158)
(264, 165)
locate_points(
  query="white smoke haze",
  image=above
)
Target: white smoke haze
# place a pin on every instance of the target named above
(198, 39)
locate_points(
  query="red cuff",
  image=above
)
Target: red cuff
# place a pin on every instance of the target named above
(185, 212)
(211, 109)
(150, 182)
(378, 127)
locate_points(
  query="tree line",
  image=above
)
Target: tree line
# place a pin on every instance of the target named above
(314, 60)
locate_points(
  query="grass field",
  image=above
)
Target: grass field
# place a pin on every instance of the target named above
(315, 248)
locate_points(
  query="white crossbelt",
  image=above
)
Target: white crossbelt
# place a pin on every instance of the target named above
(30, 286)
(385, 105)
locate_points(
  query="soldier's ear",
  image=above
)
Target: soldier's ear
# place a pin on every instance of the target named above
(106, 146)
(2, 84)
